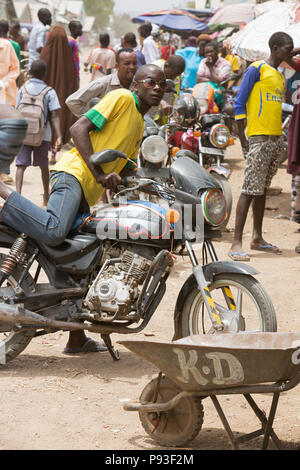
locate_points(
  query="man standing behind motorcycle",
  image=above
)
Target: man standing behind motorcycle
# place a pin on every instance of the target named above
(172, 68)
(126, 65)
(116, 123)
(259, 106)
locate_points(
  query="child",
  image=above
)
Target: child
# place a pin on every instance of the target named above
(34, 87)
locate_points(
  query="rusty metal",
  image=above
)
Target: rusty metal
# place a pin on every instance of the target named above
(14, 314)
(213, 365)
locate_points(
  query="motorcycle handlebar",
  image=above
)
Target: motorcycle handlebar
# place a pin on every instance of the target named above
(128, 181)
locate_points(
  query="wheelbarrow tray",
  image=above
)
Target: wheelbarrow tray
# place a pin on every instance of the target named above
(211, 362)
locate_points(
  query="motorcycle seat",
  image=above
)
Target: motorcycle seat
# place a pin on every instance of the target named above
(74, 246)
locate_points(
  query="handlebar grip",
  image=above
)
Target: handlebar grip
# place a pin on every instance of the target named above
(128, 181)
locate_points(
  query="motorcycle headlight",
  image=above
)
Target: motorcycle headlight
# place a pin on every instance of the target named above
(219, 136)
(214, 206)
(155, 149)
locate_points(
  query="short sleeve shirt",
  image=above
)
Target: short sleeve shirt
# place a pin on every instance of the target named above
(51, 102)
(37, 39)
(119, 125)
(222, 69)
(103, 57)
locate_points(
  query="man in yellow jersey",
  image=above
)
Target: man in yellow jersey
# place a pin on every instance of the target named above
(116, 122)
(258, 105)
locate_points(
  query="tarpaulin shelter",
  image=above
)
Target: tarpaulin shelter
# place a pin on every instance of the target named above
(173, 20)
(251, 43)
(232, 15)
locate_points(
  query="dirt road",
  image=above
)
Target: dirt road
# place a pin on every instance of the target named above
(50, 400)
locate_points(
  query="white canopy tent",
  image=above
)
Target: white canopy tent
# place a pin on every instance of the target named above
(251, 43)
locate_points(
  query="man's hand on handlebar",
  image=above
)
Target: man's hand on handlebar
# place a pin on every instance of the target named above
(109, 181)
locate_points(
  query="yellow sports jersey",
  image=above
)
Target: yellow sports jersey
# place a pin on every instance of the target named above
(119, 126)
(259, 99)
(234, 61)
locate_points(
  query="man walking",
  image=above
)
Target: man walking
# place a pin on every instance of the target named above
(129, 41)
(149, 47)
(36, 91)
(102, 59)
(4, 29)
(258, 105)
(75, 28)
(126, 66)
(9, 71)
(38, 38)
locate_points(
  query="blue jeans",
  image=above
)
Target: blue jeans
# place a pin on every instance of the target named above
(50, 226)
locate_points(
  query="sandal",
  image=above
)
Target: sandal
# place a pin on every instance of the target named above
(89, 346)
(238, 256)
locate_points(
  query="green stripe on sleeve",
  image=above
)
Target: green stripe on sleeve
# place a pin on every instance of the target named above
(96, 118)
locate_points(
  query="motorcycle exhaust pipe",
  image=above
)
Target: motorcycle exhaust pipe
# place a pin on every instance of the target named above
(16, 315)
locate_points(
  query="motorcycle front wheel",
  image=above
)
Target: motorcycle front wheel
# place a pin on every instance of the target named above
(241, 303)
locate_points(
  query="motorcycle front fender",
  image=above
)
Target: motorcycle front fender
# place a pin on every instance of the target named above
(220, 170)
(210, 270)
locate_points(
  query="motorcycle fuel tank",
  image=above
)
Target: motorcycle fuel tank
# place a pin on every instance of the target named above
(139, 222)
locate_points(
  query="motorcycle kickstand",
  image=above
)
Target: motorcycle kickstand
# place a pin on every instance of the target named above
(113, 352)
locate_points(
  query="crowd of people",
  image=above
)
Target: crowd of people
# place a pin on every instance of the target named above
(54, 68)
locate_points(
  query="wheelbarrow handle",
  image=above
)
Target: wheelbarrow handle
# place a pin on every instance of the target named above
(157, 407)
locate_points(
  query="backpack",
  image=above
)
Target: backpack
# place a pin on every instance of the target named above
(32, 109)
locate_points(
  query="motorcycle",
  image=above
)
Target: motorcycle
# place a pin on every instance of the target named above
(203, 136)
(110, 274)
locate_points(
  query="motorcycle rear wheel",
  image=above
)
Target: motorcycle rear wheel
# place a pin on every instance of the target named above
(254, 308)
(13, 338)
(175, 427)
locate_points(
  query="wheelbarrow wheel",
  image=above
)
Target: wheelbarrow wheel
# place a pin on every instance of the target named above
(175, 427)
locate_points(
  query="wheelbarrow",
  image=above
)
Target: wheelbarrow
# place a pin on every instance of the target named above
(193, 368)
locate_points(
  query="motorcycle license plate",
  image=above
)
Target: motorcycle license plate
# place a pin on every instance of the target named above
(212, 151)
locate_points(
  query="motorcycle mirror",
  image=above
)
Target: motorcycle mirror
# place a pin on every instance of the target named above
(171, 86)
(106, 156)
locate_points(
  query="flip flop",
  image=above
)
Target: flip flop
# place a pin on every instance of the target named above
(267, 248)
(89, 346)
(238, 256)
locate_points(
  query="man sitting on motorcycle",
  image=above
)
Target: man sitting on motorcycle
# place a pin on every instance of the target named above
(116, 123)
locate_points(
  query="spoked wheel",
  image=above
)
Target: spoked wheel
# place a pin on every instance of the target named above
(175, 427)
(14, 338)
(241, 303)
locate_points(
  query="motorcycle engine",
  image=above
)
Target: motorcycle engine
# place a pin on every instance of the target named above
(115, 289)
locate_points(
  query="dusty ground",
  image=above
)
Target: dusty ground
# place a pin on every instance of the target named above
(53, 401)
